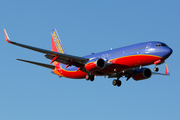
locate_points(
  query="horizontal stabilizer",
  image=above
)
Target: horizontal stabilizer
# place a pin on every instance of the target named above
(39, 64)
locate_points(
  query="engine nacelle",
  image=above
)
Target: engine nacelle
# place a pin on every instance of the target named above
(95, 64)
(141, 74)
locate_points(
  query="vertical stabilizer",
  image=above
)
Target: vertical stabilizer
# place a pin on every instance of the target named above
(57, 45)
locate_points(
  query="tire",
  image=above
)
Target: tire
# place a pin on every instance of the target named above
(119, 83)
(87, 77)
(114, 82)
(91, 77)
(156, 69)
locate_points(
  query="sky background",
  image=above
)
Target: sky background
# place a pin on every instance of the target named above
(29, 92)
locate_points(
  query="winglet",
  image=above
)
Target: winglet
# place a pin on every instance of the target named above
(6, 36)
(166, 69)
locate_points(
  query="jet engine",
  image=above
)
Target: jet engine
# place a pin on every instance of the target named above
(141, 74)
(95, 64)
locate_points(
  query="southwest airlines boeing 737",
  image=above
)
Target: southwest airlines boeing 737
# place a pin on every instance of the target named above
(125, 61)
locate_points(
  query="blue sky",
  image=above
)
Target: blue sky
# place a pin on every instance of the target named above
(32, 92)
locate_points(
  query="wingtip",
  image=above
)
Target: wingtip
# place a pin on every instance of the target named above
(166, 69)
(6, 36)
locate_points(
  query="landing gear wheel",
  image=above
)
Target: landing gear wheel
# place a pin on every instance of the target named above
(87, 77)
(156, 69)
(118, 83)
(91, 77)
(114, 82)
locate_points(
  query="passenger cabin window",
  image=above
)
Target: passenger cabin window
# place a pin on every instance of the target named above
(130, 50)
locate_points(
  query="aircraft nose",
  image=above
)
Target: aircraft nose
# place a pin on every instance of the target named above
(168, 51)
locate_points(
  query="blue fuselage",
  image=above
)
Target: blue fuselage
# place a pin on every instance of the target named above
(158, 49)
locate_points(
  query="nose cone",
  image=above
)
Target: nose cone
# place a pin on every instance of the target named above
(167, 52)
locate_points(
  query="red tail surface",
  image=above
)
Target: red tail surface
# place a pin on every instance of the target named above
(57, 45)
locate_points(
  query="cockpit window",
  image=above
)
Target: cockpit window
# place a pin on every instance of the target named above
(163, 44)
(158, 45)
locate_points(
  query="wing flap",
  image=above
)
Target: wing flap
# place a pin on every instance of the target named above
(64, 60)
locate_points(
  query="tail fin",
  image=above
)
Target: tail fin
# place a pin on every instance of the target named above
(57, 45)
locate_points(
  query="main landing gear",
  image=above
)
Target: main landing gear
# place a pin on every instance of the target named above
(90, 77)
(117, 82)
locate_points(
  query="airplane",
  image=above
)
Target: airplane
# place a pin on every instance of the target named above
(126, 61)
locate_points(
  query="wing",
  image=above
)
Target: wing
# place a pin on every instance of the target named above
(166, 71)
(39, 64)
(63, 58)
(154, 73)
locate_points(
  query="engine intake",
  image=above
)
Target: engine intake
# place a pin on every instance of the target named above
(95, 64)
(100, 63)
(141, 74)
